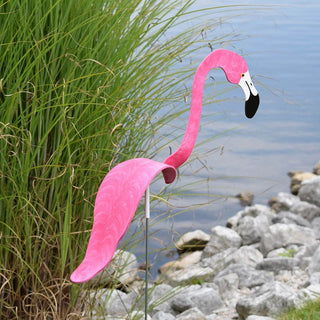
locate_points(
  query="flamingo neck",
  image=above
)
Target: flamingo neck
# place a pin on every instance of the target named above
(216, 59)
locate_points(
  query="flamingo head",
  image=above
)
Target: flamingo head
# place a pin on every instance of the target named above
(251, 94)
(236, 70)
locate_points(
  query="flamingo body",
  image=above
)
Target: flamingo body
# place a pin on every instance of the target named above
(121, 190)
(116, 202)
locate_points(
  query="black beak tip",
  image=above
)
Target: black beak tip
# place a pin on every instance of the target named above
(252, 105)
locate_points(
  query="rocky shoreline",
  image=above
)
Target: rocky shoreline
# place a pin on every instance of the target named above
(263, 262)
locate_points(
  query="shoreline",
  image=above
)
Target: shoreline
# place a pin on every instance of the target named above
(263, 262)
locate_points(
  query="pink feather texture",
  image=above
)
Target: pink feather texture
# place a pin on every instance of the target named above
(121, 190)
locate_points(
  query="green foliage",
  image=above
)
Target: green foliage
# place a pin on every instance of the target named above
(288, 254)
(309, 311)
(80, 83)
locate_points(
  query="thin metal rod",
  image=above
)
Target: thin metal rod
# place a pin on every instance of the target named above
(147, 213)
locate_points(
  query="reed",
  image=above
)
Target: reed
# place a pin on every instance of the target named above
(81, 83)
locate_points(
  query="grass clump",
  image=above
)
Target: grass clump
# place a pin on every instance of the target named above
(80, 83)
(309, 311)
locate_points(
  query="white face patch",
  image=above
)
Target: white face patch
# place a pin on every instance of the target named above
(247, 86)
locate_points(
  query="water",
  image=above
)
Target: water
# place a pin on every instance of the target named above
(281, 46)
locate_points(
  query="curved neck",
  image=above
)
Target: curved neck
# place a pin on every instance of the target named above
(215, 59)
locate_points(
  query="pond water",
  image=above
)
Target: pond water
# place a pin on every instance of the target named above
(281, 45)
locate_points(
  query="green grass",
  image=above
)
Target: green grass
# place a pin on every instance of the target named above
(309, 311)
(80, 85)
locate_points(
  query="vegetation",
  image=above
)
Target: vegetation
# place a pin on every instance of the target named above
(81, 82)
(310, 311)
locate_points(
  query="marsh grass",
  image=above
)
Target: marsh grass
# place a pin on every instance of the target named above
(80, 84)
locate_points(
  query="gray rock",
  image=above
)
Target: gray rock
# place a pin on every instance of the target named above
(124, 268)
(207, 300)
(287, 217)
(160, 315)
(191, 314)
(314, 278)
(268, 300)
(315, 262)
(227, 286)
(248, 276)
(181, 303)
(310, 293)
(282, 235)
(186, 276)
(160, 298)
(275, 265)
(310, 191)
(244, 255)
(316, 226)
(138, 315)
(113, 302)
(297, 177)
(288, 202)
(221, 239)
(316, 169)
(192, 241)
(251, 228)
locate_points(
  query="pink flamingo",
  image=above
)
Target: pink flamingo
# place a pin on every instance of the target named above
(121, 190)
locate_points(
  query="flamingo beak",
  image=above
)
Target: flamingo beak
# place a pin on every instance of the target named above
(251, 95)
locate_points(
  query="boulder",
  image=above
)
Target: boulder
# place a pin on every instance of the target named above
(192, 274)
(287, 217)
(191, 314)
(248, 276)
(244, 255)
(315, 262)
(282, 235)
(192, 241)
(316, 169)
(297, 177)
(310, 191)
(288, 202)
(268, 300)
(275, 265)
(184, 261)
(221, 239)
(160, 315)
(259, 318)
(227, 286)
(251, 228)
(122, 269)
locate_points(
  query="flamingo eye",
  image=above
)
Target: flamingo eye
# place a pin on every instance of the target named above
(242, 75)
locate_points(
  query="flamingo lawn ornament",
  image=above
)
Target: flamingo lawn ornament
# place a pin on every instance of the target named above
(121, 190)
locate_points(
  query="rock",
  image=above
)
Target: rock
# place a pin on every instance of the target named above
(275, 265)
(193, 274)
(251, 228)
(282, 235)
(191, 314)
(184, 261)
(160, 315)
(228, 285)
(244, 255)
(288, 202)
(181, 303)
(123, 268)
(138, 315)
(112, 302)
(297, 177)
(248, 276)
(192, 241)
(160, 298)
(316, 169)
(246, 198)
(315, 262)
(310, 293)
(287, 217)
(221, 239)
(268, 300)
(310, 191)
(314, 278)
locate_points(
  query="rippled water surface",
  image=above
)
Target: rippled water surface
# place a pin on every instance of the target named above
(281, 45)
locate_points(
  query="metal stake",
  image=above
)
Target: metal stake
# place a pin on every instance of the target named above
(147, 212)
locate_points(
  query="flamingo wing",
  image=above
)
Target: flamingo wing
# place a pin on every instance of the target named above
(117, 200)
